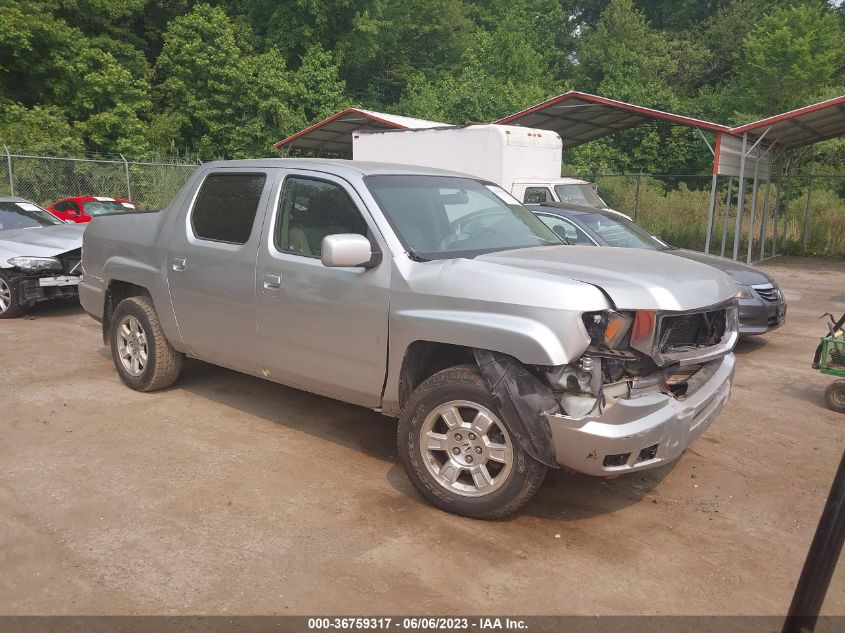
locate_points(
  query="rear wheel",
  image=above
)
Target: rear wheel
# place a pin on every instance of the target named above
(835, 396)
(459, 452)
(9, 306)
(143, 356)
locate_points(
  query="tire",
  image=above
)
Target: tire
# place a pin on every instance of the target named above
(835, 396)
(463, 468)
(142, 355)
(9, 306)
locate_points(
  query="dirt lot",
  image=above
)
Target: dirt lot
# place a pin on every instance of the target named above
(227, 494)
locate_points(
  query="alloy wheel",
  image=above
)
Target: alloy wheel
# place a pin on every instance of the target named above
(132, 346)
(5, 296)
(466, 448)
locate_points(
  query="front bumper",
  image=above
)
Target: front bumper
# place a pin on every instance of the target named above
(41, 288)
(758, 316)
(645, 431)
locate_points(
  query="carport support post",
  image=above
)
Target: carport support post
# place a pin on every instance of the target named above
(9, 163)
(765, 218)
(727, 214)
(807, 211)
(786, 205)
(740, 201)
(711, 212)
(821, 560)
(753, 210)
(126, 167)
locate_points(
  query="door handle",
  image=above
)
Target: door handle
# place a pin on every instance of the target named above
(179, 263)
(272, 281)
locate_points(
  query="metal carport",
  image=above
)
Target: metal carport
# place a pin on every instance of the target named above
(334, 134)
(580, 117)
(753, 146)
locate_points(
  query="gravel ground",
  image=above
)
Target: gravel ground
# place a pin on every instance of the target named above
(227, 494)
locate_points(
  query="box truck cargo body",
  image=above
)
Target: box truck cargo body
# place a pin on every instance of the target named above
(524, 161)
(498, 153)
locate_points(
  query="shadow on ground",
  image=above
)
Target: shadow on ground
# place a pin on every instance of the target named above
(54, 308)
(563, 496)
(750, 345)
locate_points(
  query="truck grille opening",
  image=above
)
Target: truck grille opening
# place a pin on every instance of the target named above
(685, 332)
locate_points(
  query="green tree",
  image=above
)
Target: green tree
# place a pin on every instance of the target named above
(792, 56)
(392, 40)
(499, 74)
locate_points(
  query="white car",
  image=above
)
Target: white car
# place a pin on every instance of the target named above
(40, 256)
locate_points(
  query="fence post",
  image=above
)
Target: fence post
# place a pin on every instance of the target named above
(9, 163)
(126, 167)
(807, 212)
(637, 196)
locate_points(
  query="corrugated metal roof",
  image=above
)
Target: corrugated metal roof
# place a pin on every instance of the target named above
(804, 126)
(334, 134)
(580, 117)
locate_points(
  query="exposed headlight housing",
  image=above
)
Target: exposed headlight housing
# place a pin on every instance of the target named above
(608, 328)
(36, 263)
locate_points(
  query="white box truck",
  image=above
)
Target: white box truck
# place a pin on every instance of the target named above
(525, 161)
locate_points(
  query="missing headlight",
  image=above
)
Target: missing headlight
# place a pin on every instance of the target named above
(608, 329)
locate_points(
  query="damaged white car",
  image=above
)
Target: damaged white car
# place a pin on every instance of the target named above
(40, 256)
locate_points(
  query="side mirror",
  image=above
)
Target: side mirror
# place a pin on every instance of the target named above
(345, 249)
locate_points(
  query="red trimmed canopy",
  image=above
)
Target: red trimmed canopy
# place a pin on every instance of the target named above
(580, 117)
(804, 126)
(334, 134)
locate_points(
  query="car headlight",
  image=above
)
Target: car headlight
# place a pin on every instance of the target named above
(743, 293)
(36, 263)
(608, 328)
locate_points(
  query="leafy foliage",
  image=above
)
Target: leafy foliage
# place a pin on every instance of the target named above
(226, 78)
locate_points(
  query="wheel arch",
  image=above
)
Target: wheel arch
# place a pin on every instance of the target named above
(116, 291)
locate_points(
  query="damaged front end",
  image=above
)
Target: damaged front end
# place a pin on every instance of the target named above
(646, 387)
(42, 278)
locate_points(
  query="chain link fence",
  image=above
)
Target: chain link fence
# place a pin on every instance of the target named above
(806, 213)
(45, 179)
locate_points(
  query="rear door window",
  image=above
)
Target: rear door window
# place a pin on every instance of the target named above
(226, 207)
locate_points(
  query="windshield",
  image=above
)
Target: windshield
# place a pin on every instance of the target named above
(106, 207)
(617, 231)
(438, 217)
(24, 215)
(580, 194)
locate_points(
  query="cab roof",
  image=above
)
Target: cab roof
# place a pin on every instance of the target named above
(364, 168)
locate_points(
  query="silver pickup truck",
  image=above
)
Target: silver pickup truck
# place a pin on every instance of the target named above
(428, 296)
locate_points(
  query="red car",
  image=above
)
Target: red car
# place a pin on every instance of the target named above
(83, 208)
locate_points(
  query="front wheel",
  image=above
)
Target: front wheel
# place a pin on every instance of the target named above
(9, 306)
(458, 451)
(835, 396)
(144, 358)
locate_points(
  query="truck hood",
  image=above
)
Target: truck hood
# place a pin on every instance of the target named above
(46, 241)
(633, 279)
